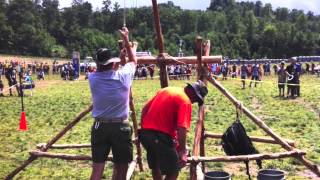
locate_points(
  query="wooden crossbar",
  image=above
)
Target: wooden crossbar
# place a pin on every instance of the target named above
(197, 159)
(183, 60)
(253, 138)
(62, 156)
(71, 146)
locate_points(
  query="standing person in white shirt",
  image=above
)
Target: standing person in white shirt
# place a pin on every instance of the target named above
(110, 89)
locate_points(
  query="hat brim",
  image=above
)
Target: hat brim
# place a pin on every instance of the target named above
(112, 60)
(197, 93)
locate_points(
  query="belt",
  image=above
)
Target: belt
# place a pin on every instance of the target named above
(112, 120)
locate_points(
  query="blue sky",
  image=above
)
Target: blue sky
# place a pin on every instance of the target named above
(306, 5)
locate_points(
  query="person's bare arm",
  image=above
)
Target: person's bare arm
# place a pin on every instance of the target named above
(130, 50)
(207, 46)
(123, 53)
(182, 152)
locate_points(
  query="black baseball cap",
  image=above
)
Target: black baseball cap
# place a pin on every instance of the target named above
(200, 89)
(105, 56)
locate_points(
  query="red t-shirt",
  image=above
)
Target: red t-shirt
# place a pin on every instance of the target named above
(170, 108)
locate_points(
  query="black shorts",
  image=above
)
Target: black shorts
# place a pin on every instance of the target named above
(161, 151)
(256, 78)
(115, 136)
(281, 86)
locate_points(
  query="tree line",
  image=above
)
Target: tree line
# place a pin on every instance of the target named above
(236, 29)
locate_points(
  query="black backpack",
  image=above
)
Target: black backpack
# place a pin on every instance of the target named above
(235, 141)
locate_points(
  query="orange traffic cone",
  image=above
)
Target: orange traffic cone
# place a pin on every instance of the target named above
(23, 122)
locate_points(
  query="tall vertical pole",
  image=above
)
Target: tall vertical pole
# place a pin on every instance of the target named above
(20, 73)
(198, 147)
(135, 128)
(161, 61)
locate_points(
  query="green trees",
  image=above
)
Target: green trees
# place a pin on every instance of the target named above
(236, 29)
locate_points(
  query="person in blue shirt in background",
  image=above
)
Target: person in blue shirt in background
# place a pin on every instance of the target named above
(255, 75)
(243, 74)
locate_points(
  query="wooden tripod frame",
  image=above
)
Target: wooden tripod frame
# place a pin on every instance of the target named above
(198, 152)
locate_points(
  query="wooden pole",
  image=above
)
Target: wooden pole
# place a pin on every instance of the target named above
(157, 25)
(67, 128)
(198, 147)
(70, 146)
(253, 138)
(62, 156)
(50, 143)
(161, 62)
(202, 148)
(314, 168)
(135, 128)
(64, 146)
(251, 157)
(201, 76)
(131, 168)
(183, 60)
(196, 143)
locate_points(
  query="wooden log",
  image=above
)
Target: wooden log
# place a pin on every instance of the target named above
(135, 131)
(314, 168)
(50, 143)
(183, 60)
(63, 156)
(202, 148)
(67, 128)
(64, 146)
(200, 125)
(131, 168)
(200, 172)
(162, 65)
(156, 19)
(71, 146)
(253, 138)
(196, 143)
(201, 76)
(247, 157)
(20, 168)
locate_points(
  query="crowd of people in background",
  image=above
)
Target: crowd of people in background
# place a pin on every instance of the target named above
(245, 71)
(11, 70)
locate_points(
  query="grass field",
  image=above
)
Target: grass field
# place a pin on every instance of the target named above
(56, 102)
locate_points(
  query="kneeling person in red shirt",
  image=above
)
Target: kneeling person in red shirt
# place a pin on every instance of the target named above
(165, 120)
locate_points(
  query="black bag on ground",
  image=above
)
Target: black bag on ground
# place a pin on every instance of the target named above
(235, 141)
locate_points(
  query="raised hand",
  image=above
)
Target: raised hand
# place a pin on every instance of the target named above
(124, 32)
